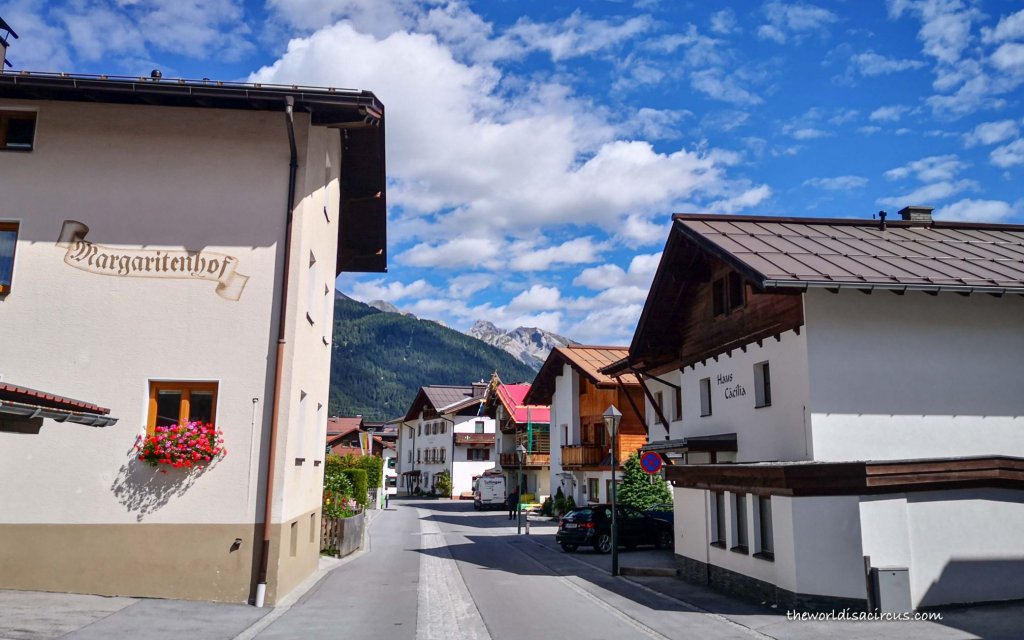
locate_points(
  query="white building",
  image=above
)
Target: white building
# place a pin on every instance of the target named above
(571, 382)
(445, 430)
(520, 424)
(168, 251)
(850, 399)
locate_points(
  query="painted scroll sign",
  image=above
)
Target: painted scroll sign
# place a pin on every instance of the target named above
(150, 263)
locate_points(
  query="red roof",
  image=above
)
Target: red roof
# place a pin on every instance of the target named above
(341, 425)
(511, 395)
(25, 395)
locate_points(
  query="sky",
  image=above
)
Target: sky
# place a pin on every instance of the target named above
(536, 150)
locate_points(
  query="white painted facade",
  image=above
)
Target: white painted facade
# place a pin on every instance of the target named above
(428, 446)
(148, 178)
(880, 377)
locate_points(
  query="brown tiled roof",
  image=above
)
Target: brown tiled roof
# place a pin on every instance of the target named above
(833, 253)
(474, 438)
(341, 425)
(442, 398)
(25, 395)
(587, 360)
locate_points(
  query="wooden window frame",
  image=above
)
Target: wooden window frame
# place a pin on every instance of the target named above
(184, 406)
(16, 228)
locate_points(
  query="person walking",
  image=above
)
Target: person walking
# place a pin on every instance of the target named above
(513, 502)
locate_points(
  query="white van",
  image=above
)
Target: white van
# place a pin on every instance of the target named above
(489, 491)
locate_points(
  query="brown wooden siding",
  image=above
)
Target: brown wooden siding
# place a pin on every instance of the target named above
(763, 315)
(595, 401)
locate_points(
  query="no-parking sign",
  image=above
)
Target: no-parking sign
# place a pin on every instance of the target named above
(651, 462)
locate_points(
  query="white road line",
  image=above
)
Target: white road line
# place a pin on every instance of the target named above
(683, 603)
(445, 610)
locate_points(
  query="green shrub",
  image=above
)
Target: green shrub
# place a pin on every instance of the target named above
(640, 489)
(547, 508)
(570, 504)
(443, 484)
(359, 489)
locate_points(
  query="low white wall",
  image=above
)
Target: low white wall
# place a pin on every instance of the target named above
(960, 546)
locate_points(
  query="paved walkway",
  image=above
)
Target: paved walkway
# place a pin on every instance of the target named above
(436, 570)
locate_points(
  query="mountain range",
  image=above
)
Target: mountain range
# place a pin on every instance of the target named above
(380, 359)
(528, 345)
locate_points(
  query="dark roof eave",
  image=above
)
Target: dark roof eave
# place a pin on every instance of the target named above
(803, 285)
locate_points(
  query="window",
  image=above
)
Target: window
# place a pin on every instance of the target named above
(443, 427)
(479, 426)
(659, 404)
(718, 518)
(409, 457)
(328, 311)
(565, 434)
(718, 297)
(311, 288)
(705, 397)
(478, 454)
(418, 455)
(727, 294)
(419, 429)
(312, 527)
(293, 543)
(8, 242)
(172, 403)
(740, 518)
(762, 385)
(736, 297)
(17, 130)
(301, 446)
(391, 463)
(594, 489)
(678, 409)
(765, 544)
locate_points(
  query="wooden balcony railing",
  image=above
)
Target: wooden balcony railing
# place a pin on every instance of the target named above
(508, 460)
(583, 455)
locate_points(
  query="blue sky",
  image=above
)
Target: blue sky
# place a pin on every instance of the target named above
(536, 150)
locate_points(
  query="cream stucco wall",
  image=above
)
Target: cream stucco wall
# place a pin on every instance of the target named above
(163, 178)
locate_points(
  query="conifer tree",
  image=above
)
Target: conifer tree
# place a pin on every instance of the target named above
(640, 489)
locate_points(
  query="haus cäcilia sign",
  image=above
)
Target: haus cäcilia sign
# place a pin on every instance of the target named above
(150, 263)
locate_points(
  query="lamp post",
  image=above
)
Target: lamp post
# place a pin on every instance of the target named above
(520, 454)
(611, 417)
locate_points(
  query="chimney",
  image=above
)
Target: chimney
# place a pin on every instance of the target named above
(479, 388)
(917, 214)
(5, 32)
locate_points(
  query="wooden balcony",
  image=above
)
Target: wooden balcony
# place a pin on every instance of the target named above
(583, 455)
(532, 460)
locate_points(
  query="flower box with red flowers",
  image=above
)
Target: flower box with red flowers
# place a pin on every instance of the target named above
(187, 445)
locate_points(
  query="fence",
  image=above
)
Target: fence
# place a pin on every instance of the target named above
(341, 536)
(373, 498)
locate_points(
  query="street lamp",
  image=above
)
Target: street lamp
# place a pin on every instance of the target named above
(520, 455)
(611, 417)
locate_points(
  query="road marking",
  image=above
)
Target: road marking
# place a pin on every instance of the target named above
(445, 610)
(683, 603)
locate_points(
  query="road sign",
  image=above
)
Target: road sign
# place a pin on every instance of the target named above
(651, 462)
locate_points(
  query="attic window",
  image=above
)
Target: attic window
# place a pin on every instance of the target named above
(727, 294)
(17, 130)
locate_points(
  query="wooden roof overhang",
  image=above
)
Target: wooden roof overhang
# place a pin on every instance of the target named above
(852, 478)
(359, 115)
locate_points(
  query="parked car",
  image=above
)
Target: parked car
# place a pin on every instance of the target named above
(663, 511)
(592, 526)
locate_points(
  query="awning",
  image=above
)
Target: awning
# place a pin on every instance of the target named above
(31, 403)
(414, 472)
(717, 442)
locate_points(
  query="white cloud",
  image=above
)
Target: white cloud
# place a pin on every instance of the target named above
(608, 276)
(929, 169)
(536, 298)
(575, 251)
(1009, 56)
(1008, 155)
(794, 20)
(838, 183)
(929, 193)
(612, 324)
(458, 252)
(379, 289)
(968, 210)
(749, 198)
(991, 133)
(809, 133)
(723, 21)
(577, 34)
(1010, 27)
(722, 85)
(659, 124)
(945, 25)
(463, 287)
(870, 63)
(891, 113)
(639, 231)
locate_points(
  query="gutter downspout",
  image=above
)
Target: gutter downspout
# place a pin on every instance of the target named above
(293, 167)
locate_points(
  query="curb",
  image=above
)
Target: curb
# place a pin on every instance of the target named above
(660, 572)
